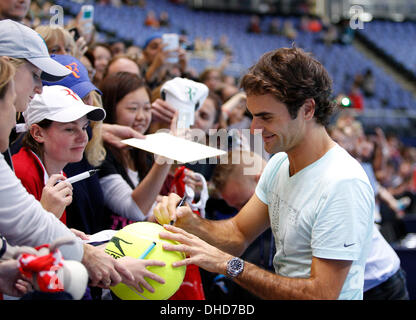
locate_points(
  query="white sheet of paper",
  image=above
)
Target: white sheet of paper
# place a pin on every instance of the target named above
(174, 148)
(101, 236)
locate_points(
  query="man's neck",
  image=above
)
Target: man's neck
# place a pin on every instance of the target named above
(313, 147)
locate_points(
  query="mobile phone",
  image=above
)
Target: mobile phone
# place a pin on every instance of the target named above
(172, 43)
(87, 17)
(76, 33)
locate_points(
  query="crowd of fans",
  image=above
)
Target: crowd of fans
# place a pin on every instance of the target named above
(126, 80)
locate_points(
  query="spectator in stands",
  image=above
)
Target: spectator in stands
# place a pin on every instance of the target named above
(164, 20)
(356, 97)
(274, 27)
(102, 56)
(122, 63)
(14, 9)
(88, 62)
(227, 91)
(117, 47)
(308, 24)
(128, 179)
(151, 20)
(7, 101)
(212, 78)
(223, 45)
(346, 33)
(328, 272)
(60, 41)
(209, 115)
(368, 83)
(54, 139)
(85, 211)
(289, 30)
(254, 24)
(330, 35)
(134, 52)
(154, 66)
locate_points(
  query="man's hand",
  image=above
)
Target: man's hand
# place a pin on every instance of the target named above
(197, 251)
(166, 211)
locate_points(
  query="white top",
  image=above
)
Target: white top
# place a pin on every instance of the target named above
(23, 221)
(326, 210)
(117, 195)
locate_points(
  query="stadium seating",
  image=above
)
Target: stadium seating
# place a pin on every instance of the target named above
(343, 62)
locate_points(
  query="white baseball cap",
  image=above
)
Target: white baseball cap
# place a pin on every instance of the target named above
(19, 41)
(186, 96)
(61, 104)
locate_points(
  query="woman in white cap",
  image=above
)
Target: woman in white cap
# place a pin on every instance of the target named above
(57, 122)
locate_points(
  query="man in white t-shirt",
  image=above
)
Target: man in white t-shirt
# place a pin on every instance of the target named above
(315, 197)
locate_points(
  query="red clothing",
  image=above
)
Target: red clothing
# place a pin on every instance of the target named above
(30, 171)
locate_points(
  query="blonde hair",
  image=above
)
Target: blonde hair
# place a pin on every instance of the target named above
(17, 62)
(54, 34)
(95, 151)
(7, 71)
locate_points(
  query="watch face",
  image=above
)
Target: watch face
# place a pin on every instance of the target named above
(235, 267)
(236, 264)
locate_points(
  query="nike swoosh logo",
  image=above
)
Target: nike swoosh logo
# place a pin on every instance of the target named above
(348, 245)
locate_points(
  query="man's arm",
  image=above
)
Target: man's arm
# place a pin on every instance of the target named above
(325, 282)
(231, 235)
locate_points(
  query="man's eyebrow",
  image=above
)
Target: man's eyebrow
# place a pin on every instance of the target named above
(262, 114)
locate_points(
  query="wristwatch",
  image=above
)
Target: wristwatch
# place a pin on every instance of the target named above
(234, 267)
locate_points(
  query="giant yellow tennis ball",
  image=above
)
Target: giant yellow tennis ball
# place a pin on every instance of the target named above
(132, 241)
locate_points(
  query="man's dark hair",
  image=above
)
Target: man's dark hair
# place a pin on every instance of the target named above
(292, 76)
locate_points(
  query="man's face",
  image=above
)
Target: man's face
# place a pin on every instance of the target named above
(280, 132)
(14, 9)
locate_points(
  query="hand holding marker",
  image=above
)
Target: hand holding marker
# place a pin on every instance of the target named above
(179, 205)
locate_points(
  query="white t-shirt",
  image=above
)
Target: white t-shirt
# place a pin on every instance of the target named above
(326, 210)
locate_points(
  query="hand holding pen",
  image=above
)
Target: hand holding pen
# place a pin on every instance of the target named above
(56, 196)
(172, 209)
(57, 193)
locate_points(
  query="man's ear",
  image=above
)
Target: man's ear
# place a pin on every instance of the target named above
(309, 108)
(37, 133)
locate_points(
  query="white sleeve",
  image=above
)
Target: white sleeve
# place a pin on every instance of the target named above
(23, 221)
(117, 197)
(267, 176)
